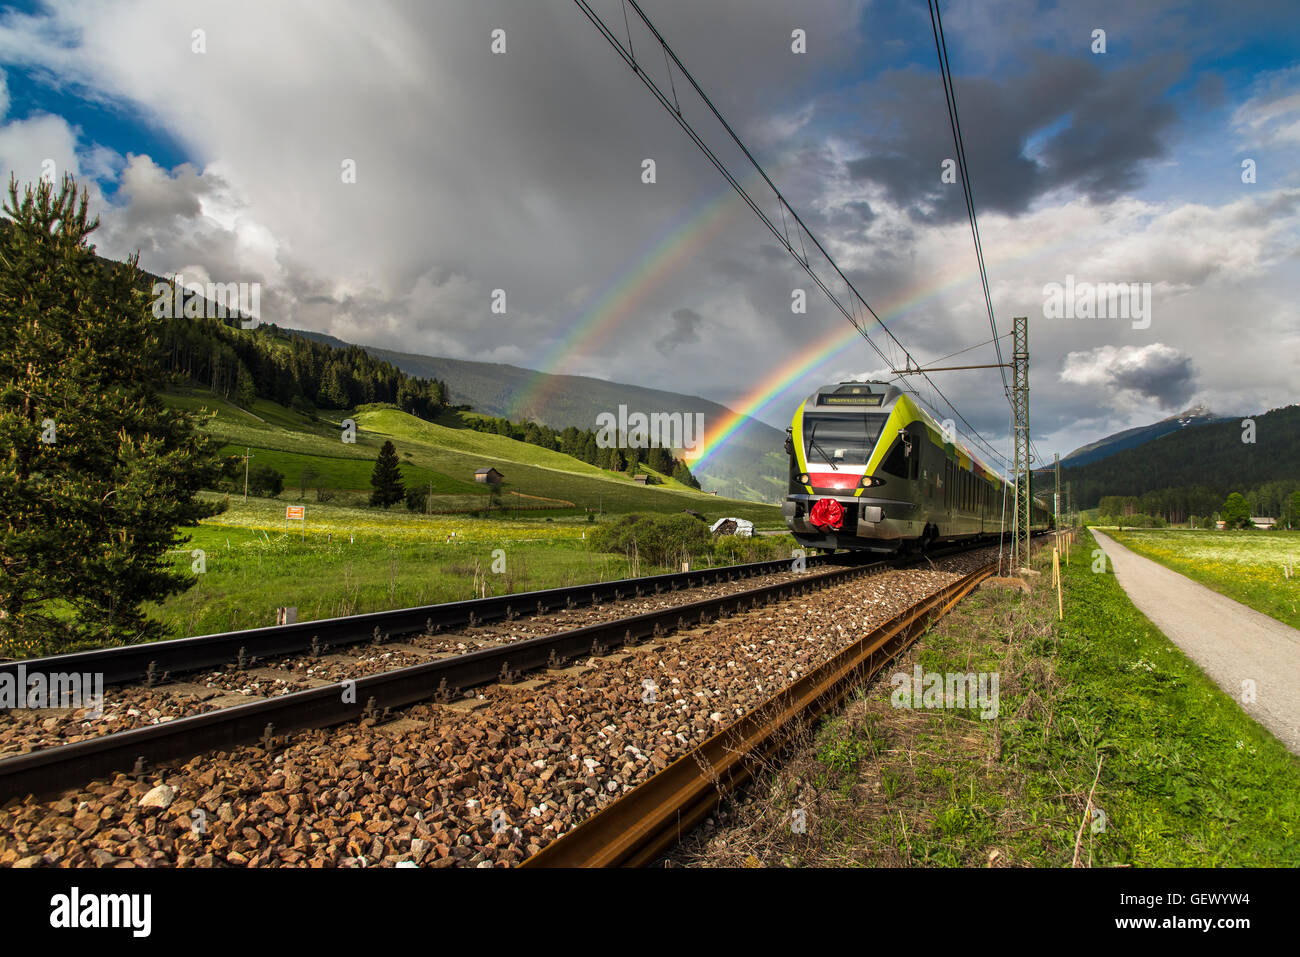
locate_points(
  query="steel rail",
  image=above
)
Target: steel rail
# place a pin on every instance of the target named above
(639, 827)
(152, 662)
(58, 768)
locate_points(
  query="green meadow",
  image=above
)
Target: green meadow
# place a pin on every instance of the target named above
(347, 557)
(1249, 566)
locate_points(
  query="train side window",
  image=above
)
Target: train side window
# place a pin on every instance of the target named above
(895, 462)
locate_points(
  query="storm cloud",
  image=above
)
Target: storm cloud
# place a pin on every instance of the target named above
(1124, 375)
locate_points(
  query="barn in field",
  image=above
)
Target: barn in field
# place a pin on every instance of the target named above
(488, 476)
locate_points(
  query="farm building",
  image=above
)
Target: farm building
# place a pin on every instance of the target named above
(1262, 521)
(641, 479)
(489, 476)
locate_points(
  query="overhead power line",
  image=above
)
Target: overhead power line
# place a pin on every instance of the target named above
(849, 309)
(954, 121)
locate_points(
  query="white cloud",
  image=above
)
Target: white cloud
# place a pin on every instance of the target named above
(1271, 117)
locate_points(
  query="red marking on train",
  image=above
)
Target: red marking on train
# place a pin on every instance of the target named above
(833, 479)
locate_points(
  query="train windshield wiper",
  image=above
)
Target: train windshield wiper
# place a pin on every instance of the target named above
(812, 441)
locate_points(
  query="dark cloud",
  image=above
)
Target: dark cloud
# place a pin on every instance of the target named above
(1155, 372)
(1064, 122)
(686, 323)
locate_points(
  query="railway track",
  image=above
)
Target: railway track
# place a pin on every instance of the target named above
(549, 752)
(153, 662)
(640, 826)
(265, 721)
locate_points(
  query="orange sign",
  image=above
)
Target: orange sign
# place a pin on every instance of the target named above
(295, 511)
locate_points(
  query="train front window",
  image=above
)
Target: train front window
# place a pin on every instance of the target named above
(841, 439)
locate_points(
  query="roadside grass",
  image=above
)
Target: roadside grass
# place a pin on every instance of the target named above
(1183, 776)
(1246, 566)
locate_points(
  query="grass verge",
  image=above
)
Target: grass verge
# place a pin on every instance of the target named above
(1100, 704)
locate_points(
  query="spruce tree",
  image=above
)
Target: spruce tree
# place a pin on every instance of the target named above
(387, 478)
(96, 473)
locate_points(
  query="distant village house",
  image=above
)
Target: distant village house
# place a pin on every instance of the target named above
(488, 476)
(1262, 521)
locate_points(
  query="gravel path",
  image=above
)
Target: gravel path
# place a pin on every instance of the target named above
(1231, 642)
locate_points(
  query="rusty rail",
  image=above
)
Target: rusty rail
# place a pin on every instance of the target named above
(639, 827)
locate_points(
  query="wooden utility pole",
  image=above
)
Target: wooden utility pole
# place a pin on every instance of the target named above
(248, 454)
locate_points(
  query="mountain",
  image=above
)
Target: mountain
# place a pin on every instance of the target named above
(1197, 415)
(752, 465)
(1212, 457)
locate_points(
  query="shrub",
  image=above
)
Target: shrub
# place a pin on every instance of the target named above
(265, 480)
(657, 540)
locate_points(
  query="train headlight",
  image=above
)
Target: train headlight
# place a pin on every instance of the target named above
(803, 479)
(869, 481)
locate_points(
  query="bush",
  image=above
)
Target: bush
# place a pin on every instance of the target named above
(266, 481)
(734, 550)
(658, 541)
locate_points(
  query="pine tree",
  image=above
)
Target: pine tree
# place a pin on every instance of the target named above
(96, 473)
(387, 478)
(682, 473)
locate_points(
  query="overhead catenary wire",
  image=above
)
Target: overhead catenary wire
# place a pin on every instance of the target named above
(954, 122)
(779, 232)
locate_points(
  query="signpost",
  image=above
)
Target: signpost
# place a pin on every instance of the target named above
(295, 513)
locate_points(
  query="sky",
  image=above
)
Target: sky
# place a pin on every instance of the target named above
(215, 140)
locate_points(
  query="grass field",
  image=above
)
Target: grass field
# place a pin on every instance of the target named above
(346, 560)
(351, 558)
(1247, 566)
(1182, 775)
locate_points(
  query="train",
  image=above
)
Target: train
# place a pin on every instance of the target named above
(871, 471)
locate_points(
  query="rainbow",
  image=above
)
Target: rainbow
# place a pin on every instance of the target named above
(775, 384)
(679, 241)
(620, 299)
(779, 380)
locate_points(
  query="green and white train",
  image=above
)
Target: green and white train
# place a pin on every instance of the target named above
(870, 470)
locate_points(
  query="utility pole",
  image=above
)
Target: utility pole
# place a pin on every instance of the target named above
(248, 454)
(1056, 505)
(1056, 500)
(1020, 406)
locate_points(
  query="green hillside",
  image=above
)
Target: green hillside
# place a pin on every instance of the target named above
(445, 454)
(751, 465)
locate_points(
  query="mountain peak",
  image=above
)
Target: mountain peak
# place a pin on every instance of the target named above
(1197, 411)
